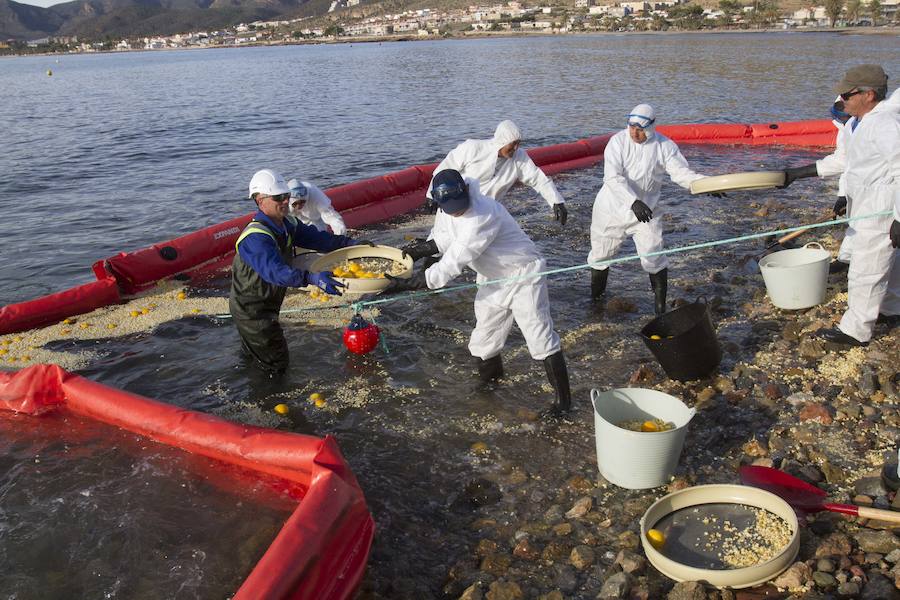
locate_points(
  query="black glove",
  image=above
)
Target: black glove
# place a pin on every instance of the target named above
(420, 248)
(401, 284)
(641, 211)
(718, 194)
(895, 234)
(369, 243)
(431, 206)
(792, 174)
(840, 207)
(560, 214)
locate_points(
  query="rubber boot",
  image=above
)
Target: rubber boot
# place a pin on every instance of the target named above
(598, 283)
(490, 369)
(659, 283)
(558, 375)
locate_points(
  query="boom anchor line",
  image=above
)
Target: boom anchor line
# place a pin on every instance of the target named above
(359, 305)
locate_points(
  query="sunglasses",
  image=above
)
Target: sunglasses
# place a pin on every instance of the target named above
(847, 95)
(281, 197)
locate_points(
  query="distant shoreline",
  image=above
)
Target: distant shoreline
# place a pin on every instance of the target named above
(892, 30)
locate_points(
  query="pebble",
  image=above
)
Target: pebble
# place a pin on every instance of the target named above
(580, 508)
(581, 557)
(615, 587)
(825, 565)
(835, 544)
(879, 587)
(473, 592)
(881, 542)
(687, 590)
(795, 577)
(848, 589)
(504, 590)
(825, 581)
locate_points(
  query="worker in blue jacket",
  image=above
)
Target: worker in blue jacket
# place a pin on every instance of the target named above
(262, 271)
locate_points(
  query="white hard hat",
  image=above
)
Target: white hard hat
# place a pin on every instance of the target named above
(298, 189)
(268, 183)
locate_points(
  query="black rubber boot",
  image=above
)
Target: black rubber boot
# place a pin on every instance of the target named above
(598, 283)
(660, 283)
(491, 369)
(558, 375)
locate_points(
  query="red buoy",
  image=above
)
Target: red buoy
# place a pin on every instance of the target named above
(360, 336)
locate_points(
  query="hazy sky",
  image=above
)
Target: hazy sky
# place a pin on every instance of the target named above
(44, 3)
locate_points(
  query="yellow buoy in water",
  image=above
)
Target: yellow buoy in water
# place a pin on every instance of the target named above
(655, 337)
(656, 538)
(49, 73)
(320, 403)
(282, 409)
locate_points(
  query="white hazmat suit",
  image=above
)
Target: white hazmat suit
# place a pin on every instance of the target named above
(489, 241)
(317, 209)
(633, 171)
(871, 169)
(478, 159)
(834, 163)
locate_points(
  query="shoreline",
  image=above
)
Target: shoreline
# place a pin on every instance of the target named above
(893, 30)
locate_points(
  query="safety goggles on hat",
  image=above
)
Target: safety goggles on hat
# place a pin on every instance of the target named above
(299, 192)
(640, 121)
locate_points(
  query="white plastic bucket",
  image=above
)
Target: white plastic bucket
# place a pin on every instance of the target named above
(633, 459)
(796, 278)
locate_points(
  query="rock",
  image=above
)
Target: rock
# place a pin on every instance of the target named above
(792, 331)
(879, 587)
(643, 374)
(554, 595)
(849, 589)
(555, 551)
(496, 564)
(566, 579)
(580, 508)
(620, 305)
(631, 562)
(679, 483)
(580, 485)
(687, 590)
(473, 592)
(825, 565)
(893, 556)
(756, 448)
(814, 411)
(615, 587)
(629, 540)
(868, 382)
(835, 544)
(554, 514)
(705, 395)
(870, 486)
(825, 581)
(832, 473)
(772, 391)
(581, 557)
(481, 492)
(486, 547)
(504, 590)
(795, 577)
(811, 348)
(563, 529)
(881, 542)
(526, 550)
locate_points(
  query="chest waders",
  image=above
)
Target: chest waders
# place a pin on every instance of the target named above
(255, 303)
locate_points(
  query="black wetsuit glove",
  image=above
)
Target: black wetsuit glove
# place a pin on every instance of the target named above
(840, 207)
(895, 234)
(792, 174)
(401, 284)
(641, 211)
(420, 249)
(560, 214)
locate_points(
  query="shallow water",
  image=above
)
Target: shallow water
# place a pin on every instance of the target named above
(89, 511)
(120, 151)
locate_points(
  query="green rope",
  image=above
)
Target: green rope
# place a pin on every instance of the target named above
(360, 304)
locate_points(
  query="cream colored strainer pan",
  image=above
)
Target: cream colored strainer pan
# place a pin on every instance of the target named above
(754, 180)
(721, 494)
(327, 262)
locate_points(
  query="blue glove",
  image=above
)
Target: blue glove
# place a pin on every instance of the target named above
(325, 281)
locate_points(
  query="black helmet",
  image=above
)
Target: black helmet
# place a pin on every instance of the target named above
(450, 191)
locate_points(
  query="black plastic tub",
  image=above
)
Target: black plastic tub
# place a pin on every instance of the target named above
(688, 348)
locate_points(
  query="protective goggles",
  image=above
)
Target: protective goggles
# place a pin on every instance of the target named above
(446, 192)
(280, 197)
(640, 121)
(300, 192)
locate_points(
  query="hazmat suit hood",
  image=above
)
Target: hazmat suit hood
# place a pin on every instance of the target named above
(506, 133)
(894, 100)
(644, 116)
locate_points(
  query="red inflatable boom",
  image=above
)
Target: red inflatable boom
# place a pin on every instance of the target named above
(320, 552)
(360, 203)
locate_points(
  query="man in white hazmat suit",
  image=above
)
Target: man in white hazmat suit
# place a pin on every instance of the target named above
(499, 163)
(634, 163)
(313, 207)
(472, 230)
(845, 125)
(871, 167)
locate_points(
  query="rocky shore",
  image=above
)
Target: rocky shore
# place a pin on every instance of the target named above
(826, 415)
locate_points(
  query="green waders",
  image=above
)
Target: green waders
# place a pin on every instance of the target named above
(254, 305)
